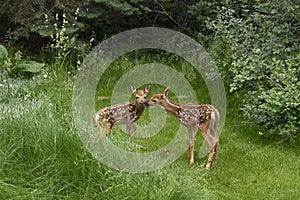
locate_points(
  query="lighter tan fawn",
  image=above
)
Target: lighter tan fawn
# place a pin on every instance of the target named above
(203, 116)
(125, 113)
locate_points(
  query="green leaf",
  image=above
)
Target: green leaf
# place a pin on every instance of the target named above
(91, 13)
(28, 66)
(3, 55)
(46, 31)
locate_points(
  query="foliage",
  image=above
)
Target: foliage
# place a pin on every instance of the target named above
(3, 55)
(98, 18)
(28, 66)
(64, 42)
(17, 66)
(263, 59)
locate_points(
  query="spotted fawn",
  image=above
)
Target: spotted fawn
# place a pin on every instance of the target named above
(124, 113)
(203, 116)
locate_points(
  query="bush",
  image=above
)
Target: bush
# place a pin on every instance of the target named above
(276, 105)
(263, 60)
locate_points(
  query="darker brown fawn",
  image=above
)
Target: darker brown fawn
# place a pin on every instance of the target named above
(125, 113)
(203, 116)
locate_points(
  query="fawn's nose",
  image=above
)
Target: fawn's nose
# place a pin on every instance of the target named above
(144, 104)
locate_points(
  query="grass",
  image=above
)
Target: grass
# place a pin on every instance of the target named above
(41, 156)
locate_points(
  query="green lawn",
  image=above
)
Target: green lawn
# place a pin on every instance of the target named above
(41, 156)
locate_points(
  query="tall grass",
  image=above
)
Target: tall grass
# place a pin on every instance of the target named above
(41, 156)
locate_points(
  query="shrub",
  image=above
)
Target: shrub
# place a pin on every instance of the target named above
(263, 60)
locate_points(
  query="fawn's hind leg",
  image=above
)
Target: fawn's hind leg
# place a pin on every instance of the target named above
(215, 154)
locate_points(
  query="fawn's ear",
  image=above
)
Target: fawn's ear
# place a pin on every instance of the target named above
(147, 88)
(133, 89)
(166, 93)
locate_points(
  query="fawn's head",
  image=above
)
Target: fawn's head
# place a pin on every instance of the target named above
(140, 95)
(158, 99)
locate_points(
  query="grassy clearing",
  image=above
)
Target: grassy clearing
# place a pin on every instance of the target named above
(41, 156)
(251, 168)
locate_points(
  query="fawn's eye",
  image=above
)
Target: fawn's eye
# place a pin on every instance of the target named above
(154, 100)
(145, 97)
(137, 97)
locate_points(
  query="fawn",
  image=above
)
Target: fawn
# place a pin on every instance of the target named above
(125, 113)
(203, 116)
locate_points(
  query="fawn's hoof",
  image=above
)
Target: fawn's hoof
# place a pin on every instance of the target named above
(208, 165)
(214, 163)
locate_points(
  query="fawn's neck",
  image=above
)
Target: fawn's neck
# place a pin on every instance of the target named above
(138, 107)
(172, 107)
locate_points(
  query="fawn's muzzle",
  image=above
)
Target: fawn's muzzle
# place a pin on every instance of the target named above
(144, 104)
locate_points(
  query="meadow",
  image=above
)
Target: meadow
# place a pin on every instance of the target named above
(42, 157)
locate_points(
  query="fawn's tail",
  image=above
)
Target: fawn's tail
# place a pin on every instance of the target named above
(95, 120)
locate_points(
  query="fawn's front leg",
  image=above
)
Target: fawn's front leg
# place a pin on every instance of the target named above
(191, 145)
(131, 127)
